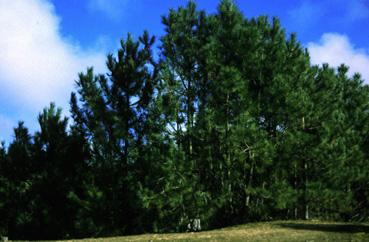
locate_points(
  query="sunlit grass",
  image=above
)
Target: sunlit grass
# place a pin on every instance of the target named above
(267, 231)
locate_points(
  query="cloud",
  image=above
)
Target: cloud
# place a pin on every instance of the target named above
(336, 49)
(113, 9)
(37, 64)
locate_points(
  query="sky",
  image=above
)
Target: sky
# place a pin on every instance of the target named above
(44, 44)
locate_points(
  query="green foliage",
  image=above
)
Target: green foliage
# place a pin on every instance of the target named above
(229, 123)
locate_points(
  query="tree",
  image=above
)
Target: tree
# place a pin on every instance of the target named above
(17, 170)
(4, 191)
(113, 117)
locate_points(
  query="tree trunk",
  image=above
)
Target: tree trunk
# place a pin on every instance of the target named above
(296, 190)
(305, 181)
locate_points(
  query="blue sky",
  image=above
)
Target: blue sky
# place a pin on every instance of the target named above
(45, 43)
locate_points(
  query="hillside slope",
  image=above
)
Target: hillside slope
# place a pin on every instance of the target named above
(267, 231)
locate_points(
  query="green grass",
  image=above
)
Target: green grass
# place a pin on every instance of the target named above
(267, 231)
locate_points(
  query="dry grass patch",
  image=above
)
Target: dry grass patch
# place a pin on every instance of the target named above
(267, 231)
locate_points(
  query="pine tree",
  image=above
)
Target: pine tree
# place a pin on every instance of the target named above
(186, 34)
(4, 191)
(113, 116)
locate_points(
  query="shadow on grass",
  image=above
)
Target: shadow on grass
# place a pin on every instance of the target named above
(340, 228)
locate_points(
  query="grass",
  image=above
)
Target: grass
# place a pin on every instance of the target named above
(266, 231)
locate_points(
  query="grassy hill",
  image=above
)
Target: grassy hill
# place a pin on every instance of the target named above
(267, 231)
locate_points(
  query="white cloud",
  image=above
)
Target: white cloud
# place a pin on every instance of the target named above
(336, 49)
(37, 64)
(112, 9)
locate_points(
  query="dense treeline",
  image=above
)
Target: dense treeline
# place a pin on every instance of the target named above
(229, 123)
